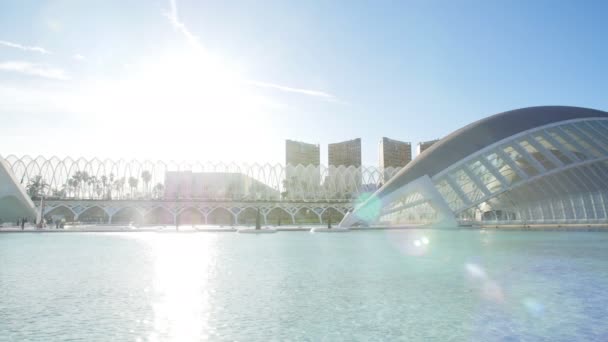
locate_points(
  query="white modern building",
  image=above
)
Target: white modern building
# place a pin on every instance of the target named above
(424, 145)
(215, 185)
(538, 165)
(15, 204)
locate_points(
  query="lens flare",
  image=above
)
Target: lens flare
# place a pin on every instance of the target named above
(371, 207)
(488, 288)
(475, 271)
(409, 242)
(534, 307)
(492, 291)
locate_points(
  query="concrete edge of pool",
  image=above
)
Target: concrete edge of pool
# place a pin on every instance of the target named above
(190, 230)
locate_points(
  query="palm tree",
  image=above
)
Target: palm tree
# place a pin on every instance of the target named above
(80, 178)
(107, 185)
(93, 186)
(104, 186)
(158, 190)
(284, 193)
(70, 187)
(58, 194)
(98, 188)
(36, 187)
(133, 184)
(146, 176)
(119, 185)
(84, 176)
(74, 183)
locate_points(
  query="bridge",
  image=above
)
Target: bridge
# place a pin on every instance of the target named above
(195, 212)
(93, 178)
(158, 192)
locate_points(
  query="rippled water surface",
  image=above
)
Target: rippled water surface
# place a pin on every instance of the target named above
(382, 285)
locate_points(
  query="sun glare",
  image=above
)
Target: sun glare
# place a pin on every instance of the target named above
(183, 269)
(185, 97)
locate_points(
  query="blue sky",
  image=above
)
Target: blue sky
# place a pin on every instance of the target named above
(228, 80)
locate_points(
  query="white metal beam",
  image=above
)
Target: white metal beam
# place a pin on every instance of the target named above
(599, 135)
(540, 148)
(457, 189)
(478, 183)
(494, 171)
(558, 172)
(588, 139)
(568, 138)
(512, 164)
(584, 178)
(534, 163)
(563, 149)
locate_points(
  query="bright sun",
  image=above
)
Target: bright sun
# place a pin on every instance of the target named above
(183, 96)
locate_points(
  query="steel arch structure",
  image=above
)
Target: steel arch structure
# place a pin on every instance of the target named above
(553, 171)
(96, 179)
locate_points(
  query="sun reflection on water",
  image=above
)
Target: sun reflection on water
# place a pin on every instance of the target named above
(184, 266)
(412, 243)
(489, 289)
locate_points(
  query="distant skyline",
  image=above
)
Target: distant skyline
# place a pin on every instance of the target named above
(230, 81)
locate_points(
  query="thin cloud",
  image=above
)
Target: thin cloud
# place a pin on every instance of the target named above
(309, 92)
(78, 57)
(173, 17)
(25, 47)
(32, 69)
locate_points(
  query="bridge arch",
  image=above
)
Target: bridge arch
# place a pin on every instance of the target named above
(94, 214)
(159, 215)
(220, 216)
(306, 215)
(248, 215)
(66, 212)
(279, 216)
(331, 213)
(190, 215)
(127, 215)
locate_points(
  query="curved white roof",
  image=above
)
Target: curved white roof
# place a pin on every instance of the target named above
(14, 201)
(477, 135)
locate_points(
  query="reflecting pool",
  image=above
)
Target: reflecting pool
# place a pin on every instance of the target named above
(459, 285)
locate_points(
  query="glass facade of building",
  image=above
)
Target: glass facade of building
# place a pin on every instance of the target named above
(556, 173)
